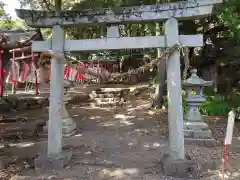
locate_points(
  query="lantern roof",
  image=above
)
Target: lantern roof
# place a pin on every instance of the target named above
(195, 80)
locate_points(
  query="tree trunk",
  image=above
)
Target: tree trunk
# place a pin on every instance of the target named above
(160, 78)
(58, 4)
(160, 85)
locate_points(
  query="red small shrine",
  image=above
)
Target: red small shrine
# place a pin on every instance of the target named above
(18, 65)
(16, 58)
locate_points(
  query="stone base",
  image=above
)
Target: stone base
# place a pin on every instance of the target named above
(201, 142)
(70, 134)
(4, 161)
(188, 125)
(43, 162)
(179, 168)
(197, 133)
(68, 127)
(235, 149)
(235, 146)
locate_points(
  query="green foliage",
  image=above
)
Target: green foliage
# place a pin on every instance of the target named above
(215, 105)
(6, 21)
(218, 105)
(238, 112)
(229, 15)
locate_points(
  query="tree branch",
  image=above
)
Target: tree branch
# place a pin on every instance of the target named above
(48, 5)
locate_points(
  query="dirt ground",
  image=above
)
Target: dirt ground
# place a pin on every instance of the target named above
(122, 143)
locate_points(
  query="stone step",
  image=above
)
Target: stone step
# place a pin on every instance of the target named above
(107, 99)
(236, 141)
(201, 142)
(106, 90)
(114, 93)
(234, 148)
(104, 95)
(195, 125)
(21, 128)
(107, 104)
(200, 134)
(111, 93)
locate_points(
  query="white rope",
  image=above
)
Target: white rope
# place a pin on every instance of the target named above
(116, 76)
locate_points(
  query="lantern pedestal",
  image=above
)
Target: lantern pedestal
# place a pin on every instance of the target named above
(68, 124)
(196, 131)
(198, 134)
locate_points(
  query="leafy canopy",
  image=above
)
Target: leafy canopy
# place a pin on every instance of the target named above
(6, 22)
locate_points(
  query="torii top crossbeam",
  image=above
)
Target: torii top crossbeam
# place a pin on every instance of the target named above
(180, 10)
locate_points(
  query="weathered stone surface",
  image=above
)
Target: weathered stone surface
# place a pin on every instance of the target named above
(108, 97)
(20, 128)
(13, 101)
(4, 161)
(179, 168)
(235, 146)
(188, 133)
(69, 133)
(198, 134)
(22, 104)
(174, 91)
(196, 131)
(207, 134)
(33, 102)
(4, 106)
(68, 127)
(210, 142)
(113, 16)
(77, 98)
(99, 95)
(17, 177)
(201, 142)
(236, 141)
(188, 125)
(43, 162)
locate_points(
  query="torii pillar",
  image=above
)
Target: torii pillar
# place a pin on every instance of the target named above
(55, 157)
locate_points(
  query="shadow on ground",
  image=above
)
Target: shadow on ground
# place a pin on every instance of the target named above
(114, 143)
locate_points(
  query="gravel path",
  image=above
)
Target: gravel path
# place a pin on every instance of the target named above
(127, 144)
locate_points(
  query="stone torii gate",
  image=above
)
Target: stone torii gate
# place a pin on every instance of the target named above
(157, 12)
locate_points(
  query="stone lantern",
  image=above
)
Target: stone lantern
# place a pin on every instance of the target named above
(196, 131)
(68, 124)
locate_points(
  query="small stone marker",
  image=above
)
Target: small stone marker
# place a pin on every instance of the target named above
(196, 131)
(232, 142)
(230, 126)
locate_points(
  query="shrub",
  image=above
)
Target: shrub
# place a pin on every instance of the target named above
(216, 104)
